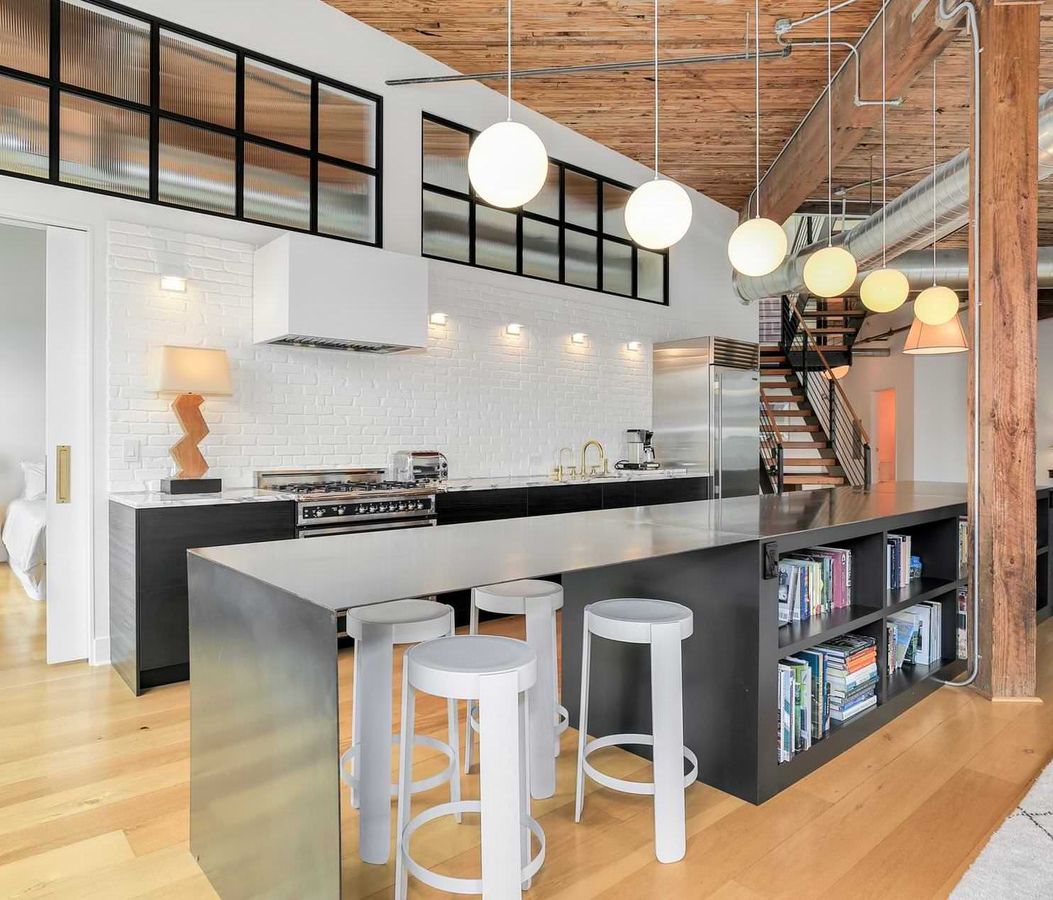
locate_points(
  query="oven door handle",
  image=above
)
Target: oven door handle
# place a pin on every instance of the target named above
(371, 526)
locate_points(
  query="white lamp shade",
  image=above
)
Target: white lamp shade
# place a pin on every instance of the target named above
(508, 164)
(830, 272)
(930, 340)
(757, 247)
(658, 214)
(884, 290)
(936, 305)
(194, 370)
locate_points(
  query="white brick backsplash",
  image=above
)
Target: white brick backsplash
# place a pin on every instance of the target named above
(494, 404)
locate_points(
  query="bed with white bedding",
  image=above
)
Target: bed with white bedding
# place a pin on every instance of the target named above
(24, 537)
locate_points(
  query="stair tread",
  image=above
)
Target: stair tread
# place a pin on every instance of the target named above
(793, 429)
(813, 479)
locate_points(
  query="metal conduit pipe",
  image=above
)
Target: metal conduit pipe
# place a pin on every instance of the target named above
(908, 218)
(952, 269)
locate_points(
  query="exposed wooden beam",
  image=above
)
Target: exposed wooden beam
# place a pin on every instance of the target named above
(912, 40)
(1007, 281)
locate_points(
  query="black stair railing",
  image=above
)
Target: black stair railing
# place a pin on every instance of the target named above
(772, 458)
(836, 415)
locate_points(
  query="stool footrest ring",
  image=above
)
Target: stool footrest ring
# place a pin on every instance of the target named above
(350, 758)
(450, 883)
(620, 784)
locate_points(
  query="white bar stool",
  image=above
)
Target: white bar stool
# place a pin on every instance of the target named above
(663, 625)
(497, 672)
(366, 766)
(538, 601)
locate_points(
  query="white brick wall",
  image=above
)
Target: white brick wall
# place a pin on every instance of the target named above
(494, 404)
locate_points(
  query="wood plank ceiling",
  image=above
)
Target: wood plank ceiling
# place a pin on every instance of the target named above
(707, 111)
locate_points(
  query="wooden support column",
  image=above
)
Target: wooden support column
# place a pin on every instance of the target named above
(1006, 279)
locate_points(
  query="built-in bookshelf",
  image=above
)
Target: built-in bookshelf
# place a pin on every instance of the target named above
(1043, 569)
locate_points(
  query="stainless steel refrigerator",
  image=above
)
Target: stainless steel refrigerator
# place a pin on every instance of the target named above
(707, 411)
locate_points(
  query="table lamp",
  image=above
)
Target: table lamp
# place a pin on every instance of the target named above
(192, 373)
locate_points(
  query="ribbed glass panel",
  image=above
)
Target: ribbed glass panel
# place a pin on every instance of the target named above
(444, 228)
(579, 259)
(346, 125)
(198, 79)
(277, 104)
(617, 268)
(23, 127)
(345, 202)
(446, 157)
(105, 51)
(277, 186)
(24, 35)
(650, 275)
(103, 146)
(614, 200)
(540, 249)
(546, 203)
(495, 238)
(582, 201)
(195, 167)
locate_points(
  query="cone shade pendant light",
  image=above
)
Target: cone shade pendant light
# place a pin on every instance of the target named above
(659, 212)
(884, 289)
(508, 163)
(931, 340)
(831, 271)
(758, 245)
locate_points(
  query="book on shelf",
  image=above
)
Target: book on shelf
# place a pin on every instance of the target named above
(814, 582)
(963, 546)
(915, 636)
(795, 707)
(898, 561)
(963, 623)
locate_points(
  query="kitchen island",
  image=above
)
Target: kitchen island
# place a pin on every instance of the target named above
(265, 802)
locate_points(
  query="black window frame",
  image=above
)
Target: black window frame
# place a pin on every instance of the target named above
(561, 223)
(57, 88)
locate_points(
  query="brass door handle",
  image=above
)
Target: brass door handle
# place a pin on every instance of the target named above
(62, 473)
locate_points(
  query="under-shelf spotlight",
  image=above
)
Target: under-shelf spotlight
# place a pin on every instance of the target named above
(439, 318)
(579, 337)
(175, 283)
(514, 329)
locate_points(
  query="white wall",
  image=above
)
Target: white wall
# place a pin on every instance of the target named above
(21, 357)
(315, 36)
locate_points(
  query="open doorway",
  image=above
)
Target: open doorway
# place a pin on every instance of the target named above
(45, 489)
(883, 415)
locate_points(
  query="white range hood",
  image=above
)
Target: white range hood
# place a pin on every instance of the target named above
(316, 292)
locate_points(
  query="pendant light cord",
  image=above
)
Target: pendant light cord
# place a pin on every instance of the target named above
(656, 90)
(756, 94)
(934, 192)
(509, 54)
(884, 151)
(829, 133)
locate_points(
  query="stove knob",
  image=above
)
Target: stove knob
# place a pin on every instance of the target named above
(372, 507)
(415, 504)
(338, 510)
(403, 506)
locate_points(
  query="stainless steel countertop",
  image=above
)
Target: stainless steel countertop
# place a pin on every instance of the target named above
(521, 481)
(158, 499)
(343, 571)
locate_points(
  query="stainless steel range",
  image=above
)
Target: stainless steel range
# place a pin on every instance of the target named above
(341, 501)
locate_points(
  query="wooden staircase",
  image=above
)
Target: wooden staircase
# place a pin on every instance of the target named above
(809, 461)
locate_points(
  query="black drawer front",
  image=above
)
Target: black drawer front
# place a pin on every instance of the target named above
(671, 490)
(618, 495)
(480, 506)
(547, 501)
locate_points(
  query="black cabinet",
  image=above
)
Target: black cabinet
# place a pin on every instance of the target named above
(480, 506)
(619, 494)
(671, 490)
(564, 498)
(149, 621)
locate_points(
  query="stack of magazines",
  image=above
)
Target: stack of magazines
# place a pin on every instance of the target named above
(851, 675)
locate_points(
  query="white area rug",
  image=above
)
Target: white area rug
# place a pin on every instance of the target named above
(1018, 860)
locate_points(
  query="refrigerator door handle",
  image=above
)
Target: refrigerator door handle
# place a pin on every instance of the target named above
(719, 475)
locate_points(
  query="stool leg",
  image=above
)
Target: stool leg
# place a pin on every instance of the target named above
(667, 713)
(542, 709)
(374, 672)
(455, 764)
(499, 788)
(583, 720)
(355, 728)
(473, 628)
(524, 783)
(405, 783)
(555, 680)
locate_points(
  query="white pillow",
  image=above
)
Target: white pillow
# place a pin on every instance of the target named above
(35, 481)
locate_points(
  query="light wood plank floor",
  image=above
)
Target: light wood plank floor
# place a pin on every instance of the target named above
(94, 794)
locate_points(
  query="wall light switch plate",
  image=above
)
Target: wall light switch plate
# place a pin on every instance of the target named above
(132, 449)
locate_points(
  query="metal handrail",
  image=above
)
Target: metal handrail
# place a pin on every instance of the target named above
(771, 439)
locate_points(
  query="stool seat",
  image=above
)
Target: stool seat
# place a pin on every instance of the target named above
(411, 621)
(452, 666)
(630, 619)
(510, 598)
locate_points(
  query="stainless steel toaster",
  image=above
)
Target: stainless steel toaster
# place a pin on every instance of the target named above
(420, 466)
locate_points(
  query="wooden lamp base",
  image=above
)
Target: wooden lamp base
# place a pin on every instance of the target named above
(190, 463)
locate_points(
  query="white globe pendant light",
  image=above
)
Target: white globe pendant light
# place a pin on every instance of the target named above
(936, 305)
(884, 289)
(508, 163)
(831, 271)
(758, 245)
(658, 213)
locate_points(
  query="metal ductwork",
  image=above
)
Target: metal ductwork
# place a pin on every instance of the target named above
(952, 269)
(908, 219)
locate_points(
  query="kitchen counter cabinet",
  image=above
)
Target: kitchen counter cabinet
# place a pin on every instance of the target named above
(480, 506)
